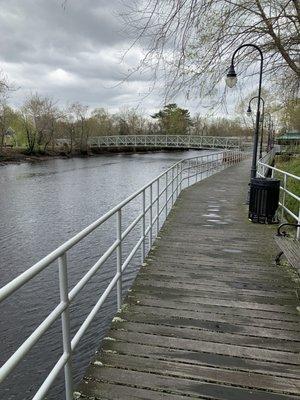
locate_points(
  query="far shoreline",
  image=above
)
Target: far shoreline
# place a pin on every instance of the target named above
(19, 156)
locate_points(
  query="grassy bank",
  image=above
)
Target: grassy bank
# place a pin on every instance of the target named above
(290, 164)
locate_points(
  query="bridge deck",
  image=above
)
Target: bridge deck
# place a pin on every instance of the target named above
(209, 316)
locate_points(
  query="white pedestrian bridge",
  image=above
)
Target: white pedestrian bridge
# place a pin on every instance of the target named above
(162, 141)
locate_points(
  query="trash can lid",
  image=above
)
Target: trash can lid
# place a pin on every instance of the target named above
(266, 182)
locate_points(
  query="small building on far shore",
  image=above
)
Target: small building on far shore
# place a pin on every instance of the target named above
(289, 142)
(8, 137)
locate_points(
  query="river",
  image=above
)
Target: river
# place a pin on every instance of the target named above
(42, 205)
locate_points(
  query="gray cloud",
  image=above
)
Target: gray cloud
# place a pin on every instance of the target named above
(73, 53)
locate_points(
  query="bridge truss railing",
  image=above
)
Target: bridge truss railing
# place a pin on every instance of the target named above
(180, 141)
(265, 168)
(156, 199)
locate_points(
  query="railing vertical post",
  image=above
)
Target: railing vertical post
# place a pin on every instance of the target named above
(283, 196)
(65, 321)
(197, 167)
(189, 163)
(166, 194)
(177, 180)
(172, 186)
(119, 258)
(180, 178)
(143, 225)
(150, 216)
(157, 208)
(298, 229)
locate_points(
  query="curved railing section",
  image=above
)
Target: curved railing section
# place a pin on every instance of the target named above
(264, 169)
(155, 201)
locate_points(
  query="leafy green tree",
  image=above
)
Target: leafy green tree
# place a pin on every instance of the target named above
(173, 120)
(103, 122)
(6, 118)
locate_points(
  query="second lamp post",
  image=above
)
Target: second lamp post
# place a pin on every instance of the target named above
(262, 117)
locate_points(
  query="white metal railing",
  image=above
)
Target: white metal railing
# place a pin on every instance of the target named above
(156, 199)
(265, 168)
(181, 141)
(177, 141)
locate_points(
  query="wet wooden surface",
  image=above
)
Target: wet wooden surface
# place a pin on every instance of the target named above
(209, 316)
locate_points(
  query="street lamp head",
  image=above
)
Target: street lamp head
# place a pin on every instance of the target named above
(231, 78)
(249, 111)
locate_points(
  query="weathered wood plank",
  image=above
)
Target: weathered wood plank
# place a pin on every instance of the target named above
(202, 358)
(211, 336)
(196, 297)
(207, 316)
(203, 373)
(180, 385)
(195, 304)
(218, 279)
(218, 326)
(110, 391)
(239, 295)
(205, 346)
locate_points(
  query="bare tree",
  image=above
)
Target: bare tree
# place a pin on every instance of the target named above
(39, 116)
(5, 110)
(79, 112)
(194, 40)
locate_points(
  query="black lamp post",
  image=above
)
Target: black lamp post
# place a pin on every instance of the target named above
(231, 80)
(249, 111)
(269, 146)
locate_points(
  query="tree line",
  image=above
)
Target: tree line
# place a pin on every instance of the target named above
(40, 122)
(38, 125)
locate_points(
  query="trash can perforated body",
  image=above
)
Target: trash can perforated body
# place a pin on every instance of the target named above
(264, 199)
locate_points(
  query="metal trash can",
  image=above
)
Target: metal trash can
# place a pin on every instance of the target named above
(264, 199)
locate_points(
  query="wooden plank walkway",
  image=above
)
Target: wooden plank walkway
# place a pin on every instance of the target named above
(209, 315)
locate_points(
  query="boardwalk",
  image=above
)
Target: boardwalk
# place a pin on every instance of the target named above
(209, 316)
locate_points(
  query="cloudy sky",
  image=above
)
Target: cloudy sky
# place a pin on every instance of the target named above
(74, 53)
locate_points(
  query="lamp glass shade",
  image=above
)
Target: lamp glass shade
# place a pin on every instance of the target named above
(249, 111)
(231, 80)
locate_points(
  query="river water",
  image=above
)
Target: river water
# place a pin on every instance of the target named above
(41, 206)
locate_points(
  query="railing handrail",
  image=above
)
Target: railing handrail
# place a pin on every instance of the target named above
(171, 188)
(263, 167)
(280, 170)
